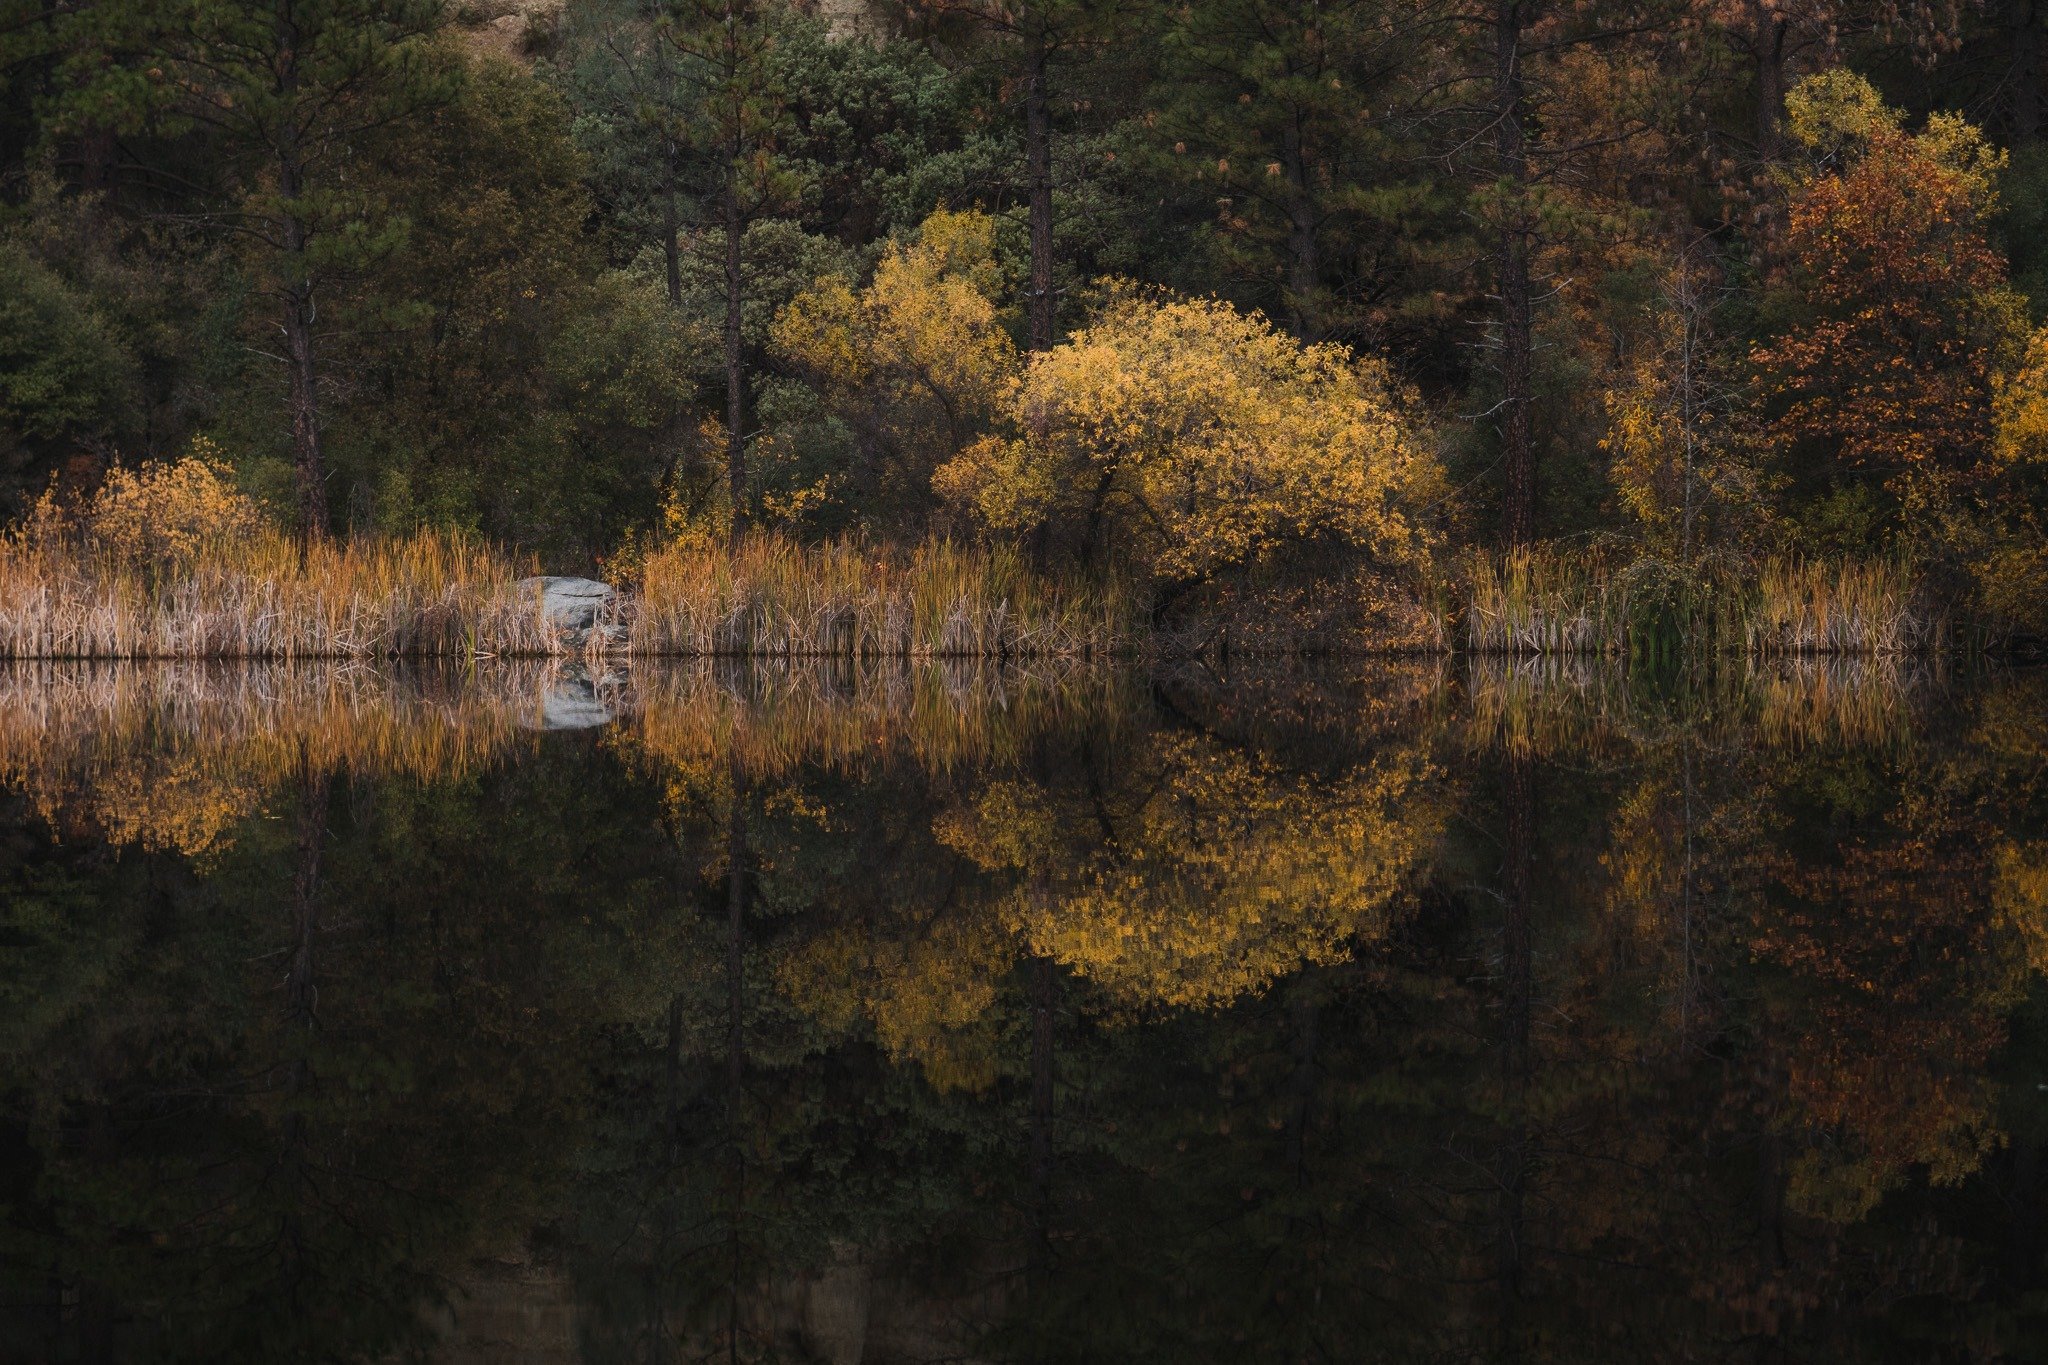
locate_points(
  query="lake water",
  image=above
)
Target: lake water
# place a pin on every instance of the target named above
(1436, 1011)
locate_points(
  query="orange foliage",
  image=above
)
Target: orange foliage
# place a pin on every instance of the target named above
(1910, 317)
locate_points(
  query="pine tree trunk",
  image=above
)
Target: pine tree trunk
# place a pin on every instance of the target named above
(308, 464)
(1517, 306)
(735, 368)
(2026, 71)
(303, 380)
(1767, 48)
(671, 234)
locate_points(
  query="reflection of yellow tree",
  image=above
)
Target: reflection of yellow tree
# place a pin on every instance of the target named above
(1228, 872)
(929, 992)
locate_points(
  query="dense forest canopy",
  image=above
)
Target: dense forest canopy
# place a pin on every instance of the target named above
(1192, 289)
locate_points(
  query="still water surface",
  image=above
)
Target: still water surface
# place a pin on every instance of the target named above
(1434, 1012)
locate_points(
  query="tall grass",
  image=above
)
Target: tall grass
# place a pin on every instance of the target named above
(1548, 601)
(268, 597)
(77, 592)
(769, 596)
(1810, 606)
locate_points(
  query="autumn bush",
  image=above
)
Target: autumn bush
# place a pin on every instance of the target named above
(913, 364)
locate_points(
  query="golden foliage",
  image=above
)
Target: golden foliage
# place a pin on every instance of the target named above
(2020, 409)
(161, 514)
(916, 360)
(1197, 439)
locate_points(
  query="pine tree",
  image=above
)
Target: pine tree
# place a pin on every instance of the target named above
(281, 93)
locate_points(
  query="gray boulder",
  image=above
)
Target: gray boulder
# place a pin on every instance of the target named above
(575, 606)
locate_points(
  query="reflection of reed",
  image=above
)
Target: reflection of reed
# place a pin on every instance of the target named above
(1546, 600)
(1552, 703)
(171, 754)
(944, 713)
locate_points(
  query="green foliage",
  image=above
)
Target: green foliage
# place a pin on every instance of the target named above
(67, 383)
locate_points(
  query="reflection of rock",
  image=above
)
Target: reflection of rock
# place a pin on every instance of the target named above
(570, 699)
(576, 606)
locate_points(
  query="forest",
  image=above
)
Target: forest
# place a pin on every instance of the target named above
(1521, 325)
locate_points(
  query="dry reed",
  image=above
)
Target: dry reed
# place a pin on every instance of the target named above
(1549, 601)
(769, 596)
(268, 597)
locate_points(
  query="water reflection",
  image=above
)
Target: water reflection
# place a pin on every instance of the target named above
(1398, 1011)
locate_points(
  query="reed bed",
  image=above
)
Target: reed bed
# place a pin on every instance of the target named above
(1809, 606)
(770, 597)
(1548, 601)
(430, 595)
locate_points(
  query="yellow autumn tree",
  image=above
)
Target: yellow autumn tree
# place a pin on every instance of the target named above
(1196, 439)
(915, 361)
(1674, 460)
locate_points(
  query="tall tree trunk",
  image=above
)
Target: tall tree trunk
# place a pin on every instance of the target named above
(735, 369)
(1038, 169)
(1517, 304)
(671, 228)
(1304, 264)
(308, 464)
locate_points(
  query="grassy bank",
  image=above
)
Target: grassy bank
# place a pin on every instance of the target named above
(267, 597)
(771, 597)
(131, 580)
(1554, 602)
